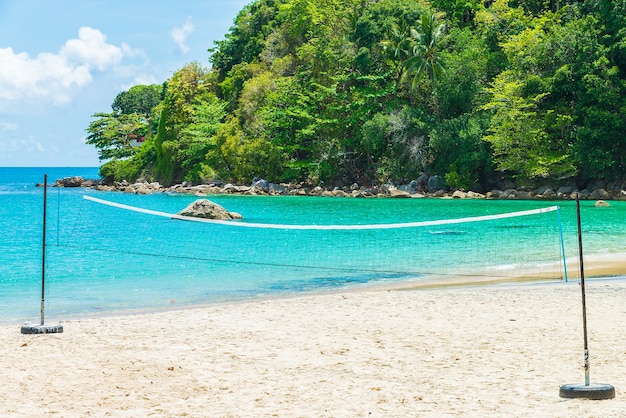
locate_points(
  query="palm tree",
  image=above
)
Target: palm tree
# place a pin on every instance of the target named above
(396, 47)
(424, 54)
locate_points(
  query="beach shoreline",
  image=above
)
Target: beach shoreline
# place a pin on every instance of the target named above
(597, 267)
(446, 351)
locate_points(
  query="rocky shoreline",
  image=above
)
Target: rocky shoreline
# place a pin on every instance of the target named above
(420, 188)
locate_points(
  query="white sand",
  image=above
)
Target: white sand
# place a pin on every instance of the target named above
(474, 351)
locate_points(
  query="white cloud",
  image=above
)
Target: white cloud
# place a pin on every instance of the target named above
(91, 50)
(30, 145)
(52, 77)
(179, 35)
(128, 51)
(8, 126)
(141, 78)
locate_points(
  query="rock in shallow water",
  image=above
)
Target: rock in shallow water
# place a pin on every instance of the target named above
(204, 208)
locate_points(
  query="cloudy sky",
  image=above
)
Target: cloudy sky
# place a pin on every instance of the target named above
(61, 61)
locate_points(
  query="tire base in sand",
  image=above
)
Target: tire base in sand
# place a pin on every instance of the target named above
(42, 329)
(595, 391)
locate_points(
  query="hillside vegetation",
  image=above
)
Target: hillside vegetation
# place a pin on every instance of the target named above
(331, 92)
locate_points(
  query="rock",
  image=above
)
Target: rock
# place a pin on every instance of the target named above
(602, 204)
(548, 194)
(298, 192)
(599, 194)
(494, 194)
(261, 184)
(75, 181)
(386, 188)
(510, 194)
(316, 191)
(339, 193)
(436, 183)
(422, 183)
(277, 189)
(143, 189)
(90, 183)
(474, 195)
(564, 191)
(458, 194)
(524, 195)
(397, 193)
(204, 208)
(542, 189)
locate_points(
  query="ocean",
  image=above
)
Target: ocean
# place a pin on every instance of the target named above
(104, 260)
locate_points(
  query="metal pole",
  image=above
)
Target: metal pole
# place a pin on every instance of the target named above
(582, 287)
(43, 247)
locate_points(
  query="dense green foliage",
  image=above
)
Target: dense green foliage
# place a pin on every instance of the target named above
(327, 91)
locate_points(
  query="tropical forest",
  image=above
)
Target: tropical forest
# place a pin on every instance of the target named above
(328, 92)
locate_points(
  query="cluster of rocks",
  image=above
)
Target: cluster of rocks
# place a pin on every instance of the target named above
(424, 186)
(75, 181)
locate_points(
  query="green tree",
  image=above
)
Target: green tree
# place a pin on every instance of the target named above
(518, 136)
(396, 144)
(139, 99)
(197, 139)
(240, 159)
(114, 135)
(457, 150)
(186, 90)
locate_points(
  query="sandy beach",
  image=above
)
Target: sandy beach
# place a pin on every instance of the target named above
(498, 350)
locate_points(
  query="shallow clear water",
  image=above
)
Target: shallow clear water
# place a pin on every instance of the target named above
(104, 259)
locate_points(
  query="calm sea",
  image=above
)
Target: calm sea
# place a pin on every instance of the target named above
(101, 259)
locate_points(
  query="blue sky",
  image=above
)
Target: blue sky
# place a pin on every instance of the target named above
(61, 61)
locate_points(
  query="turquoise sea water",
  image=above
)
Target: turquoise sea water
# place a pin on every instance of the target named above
(102, 259)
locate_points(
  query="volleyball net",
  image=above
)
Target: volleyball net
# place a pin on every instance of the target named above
(264, 257)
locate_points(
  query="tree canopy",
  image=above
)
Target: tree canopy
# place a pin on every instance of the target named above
(336, 91)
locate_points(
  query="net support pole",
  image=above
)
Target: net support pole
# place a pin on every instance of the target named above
(562, 244)
(582, 289)
(588, 390)
(43, 247)
(28, 328)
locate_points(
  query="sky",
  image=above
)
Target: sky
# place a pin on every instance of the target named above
(61, 61)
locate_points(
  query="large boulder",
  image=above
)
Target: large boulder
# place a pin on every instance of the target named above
(204, 208)
(599, 194)
(261, 184)
(422, 183)
(436, 183)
